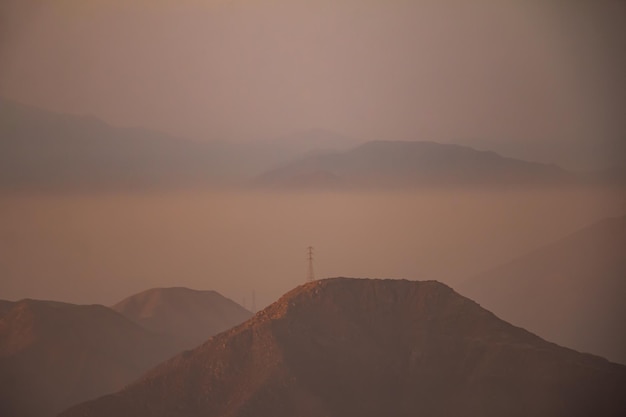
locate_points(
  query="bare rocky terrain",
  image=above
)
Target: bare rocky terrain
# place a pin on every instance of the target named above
(348, 347)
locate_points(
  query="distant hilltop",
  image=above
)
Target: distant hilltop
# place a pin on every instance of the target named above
(46, 150)
(400, 164)
(54, 354)
(187, 316)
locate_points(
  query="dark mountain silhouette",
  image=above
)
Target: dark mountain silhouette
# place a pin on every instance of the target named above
(53, 355)
(188, 317)
(347, 347)
(572, 292)
(402, 164)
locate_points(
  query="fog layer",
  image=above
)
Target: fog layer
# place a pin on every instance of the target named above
(536, 80)
(101, 248)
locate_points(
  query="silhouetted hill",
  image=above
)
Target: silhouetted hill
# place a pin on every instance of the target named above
(572, 292)
(188, 317)
(53, 355)
(402, 164)
(347, 347)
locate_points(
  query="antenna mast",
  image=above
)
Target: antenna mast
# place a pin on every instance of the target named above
(310, 276)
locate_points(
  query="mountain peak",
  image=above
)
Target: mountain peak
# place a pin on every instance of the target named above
(392, 164)
(369, 347)
(342, 292)
(191, 316)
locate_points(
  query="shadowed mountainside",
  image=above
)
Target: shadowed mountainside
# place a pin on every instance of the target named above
(188, 316)
(53, 355)
(410, 164)
(347, 347)
(572, 292)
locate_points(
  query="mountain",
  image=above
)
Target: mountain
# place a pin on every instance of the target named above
(349, 347)
(572, 292)
(409, 164)
(44, 149)
(612, 176)
(186, 316)
(53, 355)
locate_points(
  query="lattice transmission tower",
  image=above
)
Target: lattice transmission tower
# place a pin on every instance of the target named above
(310, 273)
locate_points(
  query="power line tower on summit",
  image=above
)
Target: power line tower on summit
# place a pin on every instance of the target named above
(310, 275)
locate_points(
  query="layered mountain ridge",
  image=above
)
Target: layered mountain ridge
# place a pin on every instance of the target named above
(55, 354)
(400, 164)
(348, 347)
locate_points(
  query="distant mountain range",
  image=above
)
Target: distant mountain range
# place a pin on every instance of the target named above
(42, 149)
(572, 292)
(45, 149)
(360, 348)
(53, 354)
(409, 164)
(186, 316)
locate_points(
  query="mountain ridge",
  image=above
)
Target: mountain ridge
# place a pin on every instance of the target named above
(414, 164)
(55, 354)
(354, 347)
(576, 286)
(188, 316)
(44, 149)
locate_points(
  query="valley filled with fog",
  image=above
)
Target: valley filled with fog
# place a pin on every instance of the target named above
(100, 247)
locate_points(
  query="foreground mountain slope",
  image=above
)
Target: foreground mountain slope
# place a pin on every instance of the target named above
(346, 347)
(53, 355)
(572, 292)
(402, 164)
(188, 316)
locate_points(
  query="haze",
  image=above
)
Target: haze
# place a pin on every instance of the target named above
(537, 80)
(101, 248)
(165, 167)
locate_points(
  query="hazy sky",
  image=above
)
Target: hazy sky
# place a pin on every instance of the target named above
(544, 75)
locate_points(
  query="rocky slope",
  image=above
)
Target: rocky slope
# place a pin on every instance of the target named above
(347, 347)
